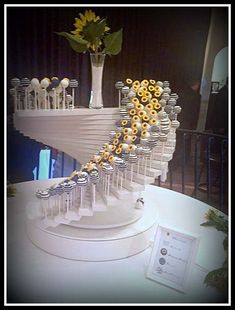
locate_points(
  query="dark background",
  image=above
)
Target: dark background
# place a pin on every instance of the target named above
(158, 42)
(161, 43)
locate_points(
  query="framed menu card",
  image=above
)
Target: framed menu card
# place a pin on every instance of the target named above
(172, 257)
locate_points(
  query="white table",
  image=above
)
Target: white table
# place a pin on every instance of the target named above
(35, 276)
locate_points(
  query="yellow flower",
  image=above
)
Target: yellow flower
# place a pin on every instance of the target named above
(91, 34)
(91, 16)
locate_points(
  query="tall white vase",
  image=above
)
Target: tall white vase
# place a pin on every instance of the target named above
(97, 66)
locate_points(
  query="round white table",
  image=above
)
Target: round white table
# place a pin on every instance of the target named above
(35, 276)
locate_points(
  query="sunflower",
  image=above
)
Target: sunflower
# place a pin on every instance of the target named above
(85, 19)
(91, 34)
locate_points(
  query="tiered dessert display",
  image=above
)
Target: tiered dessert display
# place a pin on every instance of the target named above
(103, 201)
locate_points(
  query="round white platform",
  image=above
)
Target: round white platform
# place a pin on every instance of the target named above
(95, 244)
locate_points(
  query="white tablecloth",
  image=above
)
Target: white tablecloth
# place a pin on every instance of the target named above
(34, 276)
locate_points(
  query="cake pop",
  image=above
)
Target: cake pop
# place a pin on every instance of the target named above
(73, 83)
(119, 85)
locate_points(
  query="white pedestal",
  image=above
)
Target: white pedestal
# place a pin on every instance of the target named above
(96, 244)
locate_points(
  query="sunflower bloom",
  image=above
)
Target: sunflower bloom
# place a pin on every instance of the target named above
(92, 34)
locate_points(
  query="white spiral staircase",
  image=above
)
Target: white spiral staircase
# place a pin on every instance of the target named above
(81, 133)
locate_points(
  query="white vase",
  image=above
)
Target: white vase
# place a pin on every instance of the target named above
(97, 66)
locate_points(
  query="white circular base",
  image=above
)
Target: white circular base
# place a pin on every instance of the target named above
(95, 244)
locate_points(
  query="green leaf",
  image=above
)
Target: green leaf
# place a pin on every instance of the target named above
(113, 43)
(208, 223)
(217, 278)
(94, 31)
(216, 220)
(78, 45)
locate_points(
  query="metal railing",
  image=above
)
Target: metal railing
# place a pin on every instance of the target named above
(199, 167)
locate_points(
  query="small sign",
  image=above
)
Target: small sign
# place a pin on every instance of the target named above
(172, 257)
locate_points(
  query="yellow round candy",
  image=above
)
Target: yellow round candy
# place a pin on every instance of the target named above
(144, 83)
(111, 157)
(132, 111)
(133, 138)
(149, 106)
(143, 133)
(134, 131)
(139, 107)
(141, 113)
(127, 131)
(153, 121)
(113, 147)
(140, 93)
(124, 122)
(153, 113)
(148, 94)
(106, 155)
(136, 118)
(120, 146)
(151, 88)
(157, 94)
(129, 81)
(146, 118)
(144, 125)
(157, 106)
(127, 139)
(144, 99)
(118, 135)
(118, 151)
(154, 100)
(153, 82)
(115, 141)
(135, 100)
(143, 88)
(136, 83)
(135, 87)
(135, 126)
(133, 147)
